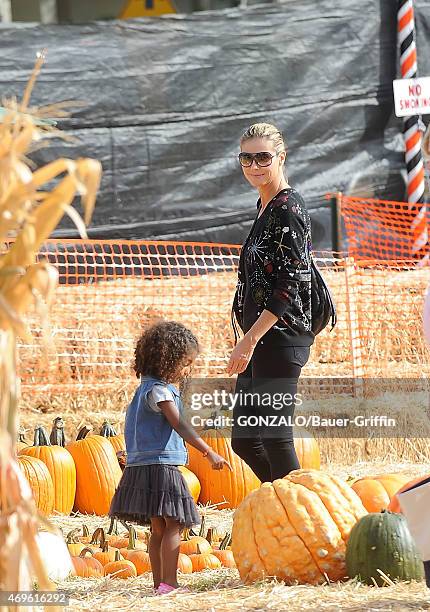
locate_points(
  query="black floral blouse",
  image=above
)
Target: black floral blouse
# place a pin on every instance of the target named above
(275, 271)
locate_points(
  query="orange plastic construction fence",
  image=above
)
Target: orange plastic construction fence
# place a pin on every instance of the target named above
(110, 290)
(382, 229)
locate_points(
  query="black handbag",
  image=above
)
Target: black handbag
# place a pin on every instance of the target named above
(323, 306)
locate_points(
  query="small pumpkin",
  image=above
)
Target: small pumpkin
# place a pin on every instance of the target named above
(394, 505)
(140, 560)
(40, 481)
(376, 491)
(224, 554)
(107, 554)
(204, 560)
(382, 541)
(119, 568)
(133, 544)
(61, 466)
(189, 543)
(185, 564)
(86, 566)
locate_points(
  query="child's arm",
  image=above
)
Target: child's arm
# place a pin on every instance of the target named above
(170, 411)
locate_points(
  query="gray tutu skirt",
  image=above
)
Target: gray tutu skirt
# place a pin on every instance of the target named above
(147, 491)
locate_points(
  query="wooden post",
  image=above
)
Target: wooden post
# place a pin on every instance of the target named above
(336, 226)
(351, 279)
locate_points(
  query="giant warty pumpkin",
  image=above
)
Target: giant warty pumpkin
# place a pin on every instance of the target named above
(295, 528)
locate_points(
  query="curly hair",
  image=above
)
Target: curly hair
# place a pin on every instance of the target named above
(162, 349)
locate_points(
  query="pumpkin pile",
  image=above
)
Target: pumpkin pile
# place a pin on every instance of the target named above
(119, 556)
(68, 477)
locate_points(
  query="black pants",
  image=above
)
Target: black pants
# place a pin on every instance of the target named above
(269, 451)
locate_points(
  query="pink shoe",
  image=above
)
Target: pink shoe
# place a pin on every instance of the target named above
(165, 589)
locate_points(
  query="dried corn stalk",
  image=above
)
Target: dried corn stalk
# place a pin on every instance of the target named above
(28, 214)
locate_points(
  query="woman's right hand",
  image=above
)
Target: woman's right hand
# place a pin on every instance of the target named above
(217, 461)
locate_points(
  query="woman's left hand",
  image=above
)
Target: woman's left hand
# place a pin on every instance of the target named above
(240, 356)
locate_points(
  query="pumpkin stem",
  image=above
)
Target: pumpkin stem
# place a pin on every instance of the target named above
(202, 526)
(21, 436)
(226, 541)
(117, 555)
(86, 550)
(186, 534)
(199, 550)
(99, 536)
(57, 436)
(85, 530)
(107, 430)
(113, 527)
(132, 535)
(105, 546)
(83, 432)
(209, 535)
(41, 437)
(71, 537)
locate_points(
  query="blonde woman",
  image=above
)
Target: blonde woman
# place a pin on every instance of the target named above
(272, 306)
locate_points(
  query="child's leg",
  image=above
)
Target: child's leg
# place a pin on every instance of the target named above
(158, 526)
(170, 551)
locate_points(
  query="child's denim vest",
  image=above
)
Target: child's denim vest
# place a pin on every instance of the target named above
(149, 437)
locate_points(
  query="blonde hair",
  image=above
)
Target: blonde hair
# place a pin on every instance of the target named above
(265, 130)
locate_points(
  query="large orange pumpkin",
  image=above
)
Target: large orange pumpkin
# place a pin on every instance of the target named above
(61, 466)
(192, 481)
(97, 472)
(376, 491)
(295, 528)
(394, 505)
(40, 482)
(221, 486)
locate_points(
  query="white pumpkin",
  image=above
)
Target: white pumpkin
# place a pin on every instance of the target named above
(55, 555)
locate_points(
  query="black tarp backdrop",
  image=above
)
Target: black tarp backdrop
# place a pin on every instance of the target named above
(167, 100)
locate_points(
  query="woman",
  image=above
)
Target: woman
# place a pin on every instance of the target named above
(272, 305)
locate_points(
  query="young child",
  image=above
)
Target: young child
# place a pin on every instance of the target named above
(152, 489)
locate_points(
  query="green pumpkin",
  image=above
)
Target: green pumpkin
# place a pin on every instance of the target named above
(381, 540)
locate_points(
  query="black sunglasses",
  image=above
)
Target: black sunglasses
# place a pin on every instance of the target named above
(263, 158)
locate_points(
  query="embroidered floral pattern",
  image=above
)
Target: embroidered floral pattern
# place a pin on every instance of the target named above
(277, 265)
